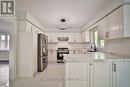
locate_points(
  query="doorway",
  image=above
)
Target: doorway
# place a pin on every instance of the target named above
(7, 58)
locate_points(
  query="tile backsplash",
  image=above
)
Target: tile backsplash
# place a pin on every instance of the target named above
(118, 46)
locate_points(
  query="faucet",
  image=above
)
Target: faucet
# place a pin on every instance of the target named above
(93, 47)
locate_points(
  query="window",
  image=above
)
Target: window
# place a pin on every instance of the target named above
(95, 36)
(102, 43)
(4, 41)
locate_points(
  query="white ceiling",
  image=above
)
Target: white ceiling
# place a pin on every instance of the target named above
(76, 12)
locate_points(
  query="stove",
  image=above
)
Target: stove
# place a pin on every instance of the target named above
(60, 54)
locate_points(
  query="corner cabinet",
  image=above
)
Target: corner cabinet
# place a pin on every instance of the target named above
(118, 23)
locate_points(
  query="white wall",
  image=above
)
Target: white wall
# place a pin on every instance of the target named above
(4, 55)
(118, 46)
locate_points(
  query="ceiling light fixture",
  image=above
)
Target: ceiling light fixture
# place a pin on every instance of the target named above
(62, 20)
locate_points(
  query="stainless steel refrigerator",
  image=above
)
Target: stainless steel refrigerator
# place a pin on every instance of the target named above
(42, 52)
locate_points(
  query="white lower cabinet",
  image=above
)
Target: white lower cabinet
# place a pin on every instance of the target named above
(97, 74)
(76, 75)
(121, 74)
(101, 74)
(78, 83)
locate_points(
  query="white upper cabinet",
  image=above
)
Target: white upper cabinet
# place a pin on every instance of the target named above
(86, 36)
(103, 28)
(118, 23)
(73, 37)
(27, 23)
(115, 24)
(126, 20)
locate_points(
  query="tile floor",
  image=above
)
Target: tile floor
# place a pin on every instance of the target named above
(53, 76)
(4, 74)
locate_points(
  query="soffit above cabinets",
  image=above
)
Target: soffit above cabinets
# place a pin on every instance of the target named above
(76, 12)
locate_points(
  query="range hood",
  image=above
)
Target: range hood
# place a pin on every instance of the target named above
(63, 38)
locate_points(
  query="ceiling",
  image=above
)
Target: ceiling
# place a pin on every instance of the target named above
(76, 12)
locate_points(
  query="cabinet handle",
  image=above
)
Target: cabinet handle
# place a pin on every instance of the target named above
(114, 67)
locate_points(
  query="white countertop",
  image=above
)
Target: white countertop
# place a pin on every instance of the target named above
(95, 56)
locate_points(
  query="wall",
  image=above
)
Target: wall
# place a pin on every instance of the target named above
(118, 46)
(4, 55)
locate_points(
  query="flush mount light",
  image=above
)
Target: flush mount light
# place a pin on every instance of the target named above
(62, 20)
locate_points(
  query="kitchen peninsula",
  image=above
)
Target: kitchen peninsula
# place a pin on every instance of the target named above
(97, 70)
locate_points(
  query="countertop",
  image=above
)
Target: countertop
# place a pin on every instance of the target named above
(95, 56)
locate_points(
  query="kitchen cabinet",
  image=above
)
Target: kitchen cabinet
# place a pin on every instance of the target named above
(114, 25)
(76, 74)
(52, 37)
(73, 37)
(108, 74)
(101, 74)
(103, 28)
(28, 28)
(97, 74)
(27, 23)
(121, 71)
(27, 54)
(118, 23)
(87, 36)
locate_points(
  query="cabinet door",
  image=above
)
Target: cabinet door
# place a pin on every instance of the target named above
(72, 37)
(76, 74)
(103, 27)
(101, 74)
(115, 24)
(121, 76)
(87, 36)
